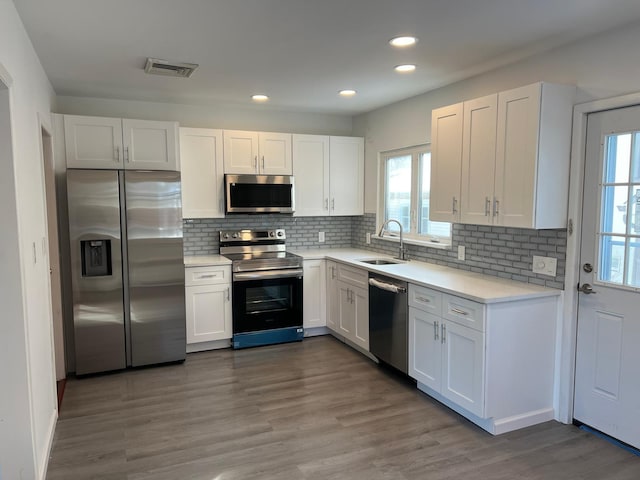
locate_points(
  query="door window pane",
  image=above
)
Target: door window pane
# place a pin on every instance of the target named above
(618, 154)
(611, 259)
(614, 210)
(633, 262)
(398, 192)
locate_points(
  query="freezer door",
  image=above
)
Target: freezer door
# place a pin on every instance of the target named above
(156, 267)
(96, 270)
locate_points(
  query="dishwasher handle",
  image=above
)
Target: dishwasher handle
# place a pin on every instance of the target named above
(390, 287)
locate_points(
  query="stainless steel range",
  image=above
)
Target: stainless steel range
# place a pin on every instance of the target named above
(267, 287)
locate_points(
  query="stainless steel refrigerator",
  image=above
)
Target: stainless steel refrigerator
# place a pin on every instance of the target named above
(127, 268)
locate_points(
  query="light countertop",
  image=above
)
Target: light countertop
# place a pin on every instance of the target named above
(474, 286)
(205, 260)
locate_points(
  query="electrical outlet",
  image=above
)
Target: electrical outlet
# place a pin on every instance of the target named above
(461, 252)
(368, 238)
(545, 265)
(321, 237)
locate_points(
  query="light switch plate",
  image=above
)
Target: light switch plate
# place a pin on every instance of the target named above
(545, 265)
(368, 238)
(321, 237)
(461, 252)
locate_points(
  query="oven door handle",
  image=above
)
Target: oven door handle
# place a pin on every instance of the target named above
(268, 274)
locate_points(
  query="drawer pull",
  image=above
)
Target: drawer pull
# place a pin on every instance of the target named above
(444, 333)
(212, 275)
(423, 299)
(460, 312)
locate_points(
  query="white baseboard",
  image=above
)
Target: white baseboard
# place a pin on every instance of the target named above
(316, 331)
(42, 474)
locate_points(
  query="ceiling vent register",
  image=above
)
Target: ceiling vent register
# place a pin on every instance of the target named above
(155, 66)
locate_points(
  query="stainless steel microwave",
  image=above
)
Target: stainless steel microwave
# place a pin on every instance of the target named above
(259, 194)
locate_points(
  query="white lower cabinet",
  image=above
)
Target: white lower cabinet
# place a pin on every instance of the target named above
(208, 305)
(314, 297)
(492, 363)
(348, 303)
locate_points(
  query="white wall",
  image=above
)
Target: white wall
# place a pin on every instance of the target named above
(28, 399)
(259, 118)
(601, 66)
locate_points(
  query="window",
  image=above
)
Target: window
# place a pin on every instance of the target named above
(405, 177)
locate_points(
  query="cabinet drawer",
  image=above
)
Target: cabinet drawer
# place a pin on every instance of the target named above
(464, 312)
(207, 275)
(354, 276)
(425, 299)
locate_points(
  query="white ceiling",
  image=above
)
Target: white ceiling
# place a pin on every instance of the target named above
(299, 52)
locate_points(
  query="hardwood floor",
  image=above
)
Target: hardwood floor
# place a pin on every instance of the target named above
(310, 410)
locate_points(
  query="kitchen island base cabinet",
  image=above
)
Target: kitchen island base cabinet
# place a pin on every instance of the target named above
(208, 307)
(492, 363)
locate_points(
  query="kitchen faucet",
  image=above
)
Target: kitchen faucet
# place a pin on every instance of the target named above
(401, 253)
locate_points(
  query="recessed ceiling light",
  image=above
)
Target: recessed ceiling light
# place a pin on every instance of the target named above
(347, 93)
(404, 68)
(259, 98)
(403, 41)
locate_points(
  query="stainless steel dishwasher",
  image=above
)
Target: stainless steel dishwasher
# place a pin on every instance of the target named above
(388, 320)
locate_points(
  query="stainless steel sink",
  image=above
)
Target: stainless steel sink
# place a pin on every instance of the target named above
(380, 261)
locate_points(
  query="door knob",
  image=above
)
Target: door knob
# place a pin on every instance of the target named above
(586, 288)
(587, 267)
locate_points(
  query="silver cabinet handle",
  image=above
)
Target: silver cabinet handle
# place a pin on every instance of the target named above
(460, 312)
(227, 294)
(444, 332)
(496, 207)
(333, 272)
(126, 154)
(454, 207)
(117, 154)
(333, 204)
(326, 203)
(423, 299)
(211, 275)
(435, 330)
(263, 162)
(487, 206)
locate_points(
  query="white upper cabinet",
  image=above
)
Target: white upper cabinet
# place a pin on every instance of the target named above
(515, 150)
(114, 143)
(478, 160)
(532, 156)
(446, 163)
(329, 175)
(311, 172)
(346, 173)
(93, 142)
(257, 153)
(150, 145)
(202, 173)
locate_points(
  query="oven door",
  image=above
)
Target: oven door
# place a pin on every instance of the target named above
(267, 300)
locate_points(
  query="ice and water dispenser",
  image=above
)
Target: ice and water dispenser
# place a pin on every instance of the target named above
(96, 258)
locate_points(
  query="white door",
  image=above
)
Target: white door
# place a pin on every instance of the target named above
(607, 391)
(446, 163)
(311, 173)
(93, 142)
(333, 296)
(314, 301)
(463, 366)
(275, 153)
(346, 173)
(425, 351)
(240, 152)
(346, 311)
(150, 145)
(360, 299)
(208, 313)
(202, 173)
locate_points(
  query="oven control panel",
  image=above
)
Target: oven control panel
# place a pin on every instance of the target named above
(253, 236)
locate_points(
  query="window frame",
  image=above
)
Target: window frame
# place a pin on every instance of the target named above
(412, 236)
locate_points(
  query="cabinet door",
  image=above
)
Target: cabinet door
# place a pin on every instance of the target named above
(240, 152)
(516, 155)
(425, 351)
(311, 172)
(202, 173)
(360, 300)
(208, 309)
(314, 301)
(346, 311)
(446, 163)
(463, 367)
(275, 154)
(93, 142)
(333, 297)
(478, 160)
(346, 173)
(150, 145)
